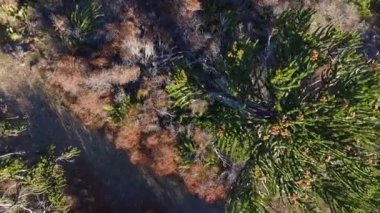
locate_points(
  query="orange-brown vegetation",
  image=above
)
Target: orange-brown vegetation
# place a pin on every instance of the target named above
(8, 186)
(204, 182)
(191, 6)
(155, 147)
(203, 144)
(158, 152)
(128, 40)
(85, 91)
(148, 143)
(147, 132)
(155, 150)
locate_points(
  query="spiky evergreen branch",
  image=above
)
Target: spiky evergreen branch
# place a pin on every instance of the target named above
(39, 187)
(322, 142)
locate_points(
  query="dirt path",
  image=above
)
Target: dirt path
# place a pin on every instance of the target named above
(101, 168)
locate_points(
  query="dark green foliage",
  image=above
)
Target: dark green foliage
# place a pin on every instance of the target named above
(219, 16)
(118, 112)
(375, 6)
(321, 143)
(188, 151)
(238, 66)
(83, 19)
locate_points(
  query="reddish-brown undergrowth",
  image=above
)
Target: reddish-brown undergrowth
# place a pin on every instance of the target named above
(149, 143)
(155, 146)
(153, 150)
(147, 132)
(87, 91)
(204, 182)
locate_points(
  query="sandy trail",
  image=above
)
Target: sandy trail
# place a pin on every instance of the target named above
(123, 186)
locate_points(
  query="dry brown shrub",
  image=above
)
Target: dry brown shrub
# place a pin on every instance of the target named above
(201, 138)
(103, 82)
(145, 119)
(192, 5)
(157, 144)
(139, 158)
(12, 3)
(203, 182)
(161, 149)
(66, 84)
(152, 141)
(156, 151)
(165, 160)
(89, 109)
(153, 92)
(70, 65)
(68, 76)
(128, 138)
(100, 62)
(153, 149)
(128, 40)
(160, 98)
(126, 37)
(141, 133)
(163, 137)
(8, 186)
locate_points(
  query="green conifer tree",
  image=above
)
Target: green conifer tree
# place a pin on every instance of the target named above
(304, 126)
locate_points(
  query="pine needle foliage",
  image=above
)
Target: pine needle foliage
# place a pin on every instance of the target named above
(40, 186)
(321, 145)
(118, 112)
(182, 90)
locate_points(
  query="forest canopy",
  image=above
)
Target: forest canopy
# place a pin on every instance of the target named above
(261, 106)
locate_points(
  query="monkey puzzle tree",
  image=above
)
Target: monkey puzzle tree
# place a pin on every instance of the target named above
(300, 114)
